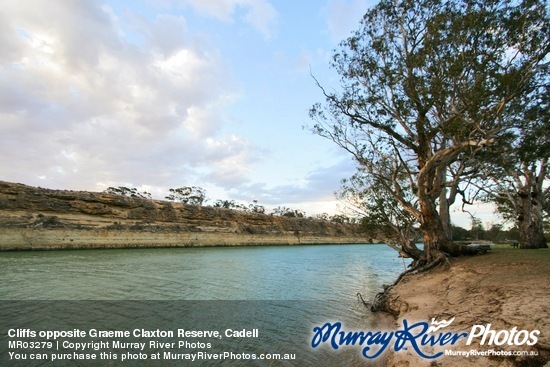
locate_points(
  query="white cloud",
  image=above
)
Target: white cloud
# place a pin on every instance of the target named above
(167, 34)
(221, 9)
(233, 158)
(81, 106)
(260, 14)
(343, 16)
(313, 192)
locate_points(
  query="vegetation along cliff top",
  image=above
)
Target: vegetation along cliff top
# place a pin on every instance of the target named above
(30, 216)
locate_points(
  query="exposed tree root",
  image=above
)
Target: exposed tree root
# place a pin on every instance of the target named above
(423, 263)
(380, 301)
(423, 266)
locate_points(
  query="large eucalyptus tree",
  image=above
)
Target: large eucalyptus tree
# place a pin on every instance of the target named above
(426, 85)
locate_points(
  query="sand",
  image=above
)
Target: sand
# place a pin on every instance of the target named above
(506, 288)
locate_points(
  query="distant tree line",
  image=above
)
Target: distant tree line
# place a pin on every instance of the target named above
(128, 192)
(194, 195)
(492, 232)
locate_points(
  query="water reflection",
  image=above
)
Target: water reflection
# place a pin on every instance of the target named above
(236, 273)
(283, 291)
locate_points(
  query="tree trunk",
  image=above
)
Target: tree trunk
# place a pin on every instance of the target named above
(537, 202)
(435, 226)
(538, 238)
(436, 242)
(525, 219)
(445, 204)
(433, 234)
(525, 210)
(407, 249)
(445, 214)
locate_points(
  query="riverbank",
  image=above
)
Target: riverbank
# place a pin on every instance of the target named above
(507, 288)
(25, 239)
(33, 218)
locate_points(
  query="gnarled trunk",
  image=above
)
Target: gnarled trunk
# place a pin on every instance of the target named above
(433, 234)
(447, 198)
(539, 240)
(524, 218)
(445, 214)
(437, 245)
(530, 217)
(537, 202)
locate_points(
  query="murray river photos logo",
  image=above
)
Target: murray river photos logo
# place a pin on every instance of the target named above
(417, 337)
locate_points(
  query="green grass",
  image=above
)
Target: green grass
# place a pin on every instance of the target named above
(522, 255)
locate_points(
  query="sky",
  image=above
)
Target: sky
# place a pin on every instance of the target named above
(160, 94)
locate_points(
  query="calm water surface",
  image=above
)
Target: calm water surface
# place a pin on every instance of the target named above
(225, 273)
(283, 291)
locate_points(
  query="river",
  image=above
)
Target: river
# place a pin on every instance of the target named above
(282, 291)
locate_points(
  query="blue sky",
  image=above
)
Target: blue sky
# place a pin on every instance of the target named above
(158, 94)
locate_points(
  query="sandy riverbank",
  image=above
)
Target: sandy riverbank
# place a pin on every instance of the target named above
(506, 288)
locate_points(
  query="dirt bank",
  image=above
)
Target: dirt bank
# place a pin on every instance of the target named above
(33, 218)
(506, 288)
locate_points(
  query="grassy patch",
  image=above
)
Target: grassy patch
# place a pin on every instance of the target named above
(507, 255)
(507, 252)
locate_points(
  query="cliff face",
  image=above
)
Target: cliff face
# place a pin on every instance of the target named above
(37, 218)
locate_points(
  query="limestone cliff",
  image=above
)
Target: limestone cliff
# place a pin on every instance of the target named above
(37, 218)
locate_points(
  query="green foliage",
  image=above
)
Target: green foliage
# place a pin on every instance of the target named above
(340, 218)
(495, 234)
(253, 207)
(188, 195)
(477, 230)
(426, 85)
(287, 212)
(323, 216)
(228, 204)
(521, 162)
(382, 215)
(128, 192)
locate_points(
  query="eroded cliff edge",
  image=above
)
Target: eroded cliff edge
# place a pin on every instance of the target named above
(38, 218)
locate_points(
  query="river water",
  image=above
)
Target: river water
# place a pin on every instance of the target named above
(283, 291)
